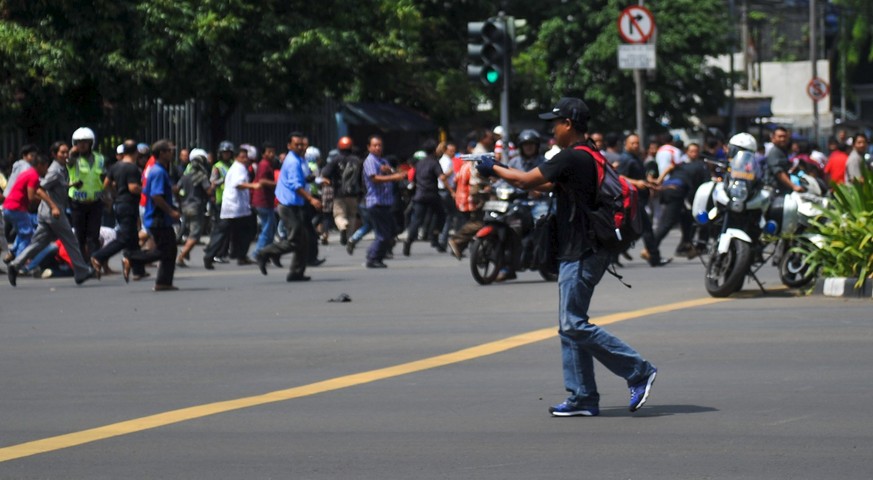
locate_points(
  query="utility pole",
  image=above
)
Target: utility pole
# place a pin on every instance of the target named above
(639, 82)
(507, 69)
(812, 57)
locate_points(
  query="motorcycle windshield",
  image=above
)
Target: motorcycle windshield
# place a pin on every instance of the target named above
(744, 167)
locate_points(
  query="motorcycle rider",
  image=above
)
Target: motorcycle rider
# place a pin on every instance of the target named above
(778, 164)
(529, 158)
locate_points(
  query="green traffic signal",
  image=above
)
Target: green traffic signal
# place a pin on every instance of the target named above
(492, 76)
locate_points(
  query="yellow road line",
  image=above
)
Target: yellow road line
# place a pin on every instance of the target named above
(176, 416)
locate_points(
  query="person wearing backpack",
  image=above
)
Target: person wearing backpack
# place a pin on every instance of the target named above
(572, 175)
(345, 174)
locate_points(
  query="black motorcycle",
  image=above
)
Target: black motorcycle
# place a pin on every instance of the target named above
(503, 241)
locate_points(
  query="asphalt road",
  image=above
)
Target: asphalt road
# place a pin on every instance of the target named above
(423, 375)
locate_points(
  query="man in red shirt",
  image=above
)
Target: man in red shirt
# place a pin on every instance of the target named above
(264, 199)
(836, 166)
(21, 200)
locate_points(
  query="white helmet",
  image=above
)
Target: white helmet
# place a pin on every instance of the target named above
(198, 152)
(313, 154)
(498, 130)
(84, 133)
(744, 141)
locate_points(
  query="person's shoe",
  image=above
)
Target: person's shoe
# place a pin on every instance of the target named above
(208, 263)
(8, 258)
(12, 274)
(47, 273)
(91, 274)
(684, 250)
(639, 393)
(456, 250)
(389, 255)
(440, 249)
(407, 246)
(627, 256)
(693, 253)
(262, 263)
(180, 262)
(316, 262)
(95, 264)
(125, 269)
(165, 288)
(324, 239)
(221, 260)
(299, 277)
(376, 264)
(567, 409)
(276, 262)
(659, 262)
(137, 278)
(344, 238)
(350, 246)
(244, 261)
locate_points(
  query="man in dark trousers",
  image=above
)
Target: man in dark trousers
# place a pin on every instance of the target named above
(572, 176)
(160, 214)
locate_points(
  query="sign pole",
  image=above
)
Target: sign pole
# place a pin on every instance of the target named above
(639, 80)
(812, 55)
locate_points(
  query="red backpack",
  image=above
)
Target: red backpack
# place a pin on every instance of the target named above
(616, 222)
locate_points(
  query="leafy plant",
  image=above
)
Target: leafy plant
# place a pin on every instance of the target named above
(847, 228)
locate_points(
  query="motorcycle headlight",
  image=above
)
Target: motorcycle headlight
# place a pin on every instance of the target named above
(738, 191)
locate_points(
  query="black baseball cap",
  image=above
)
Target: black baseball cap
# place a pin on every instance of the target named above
(568, 107)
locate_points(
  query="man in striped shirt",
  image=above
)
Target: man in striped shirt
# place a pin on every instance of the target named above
(379, 180)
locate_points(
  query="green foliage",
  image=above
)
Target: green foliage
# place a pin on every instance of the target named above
(847, 228)
(580, 58)
(857, 45)
(63, 62)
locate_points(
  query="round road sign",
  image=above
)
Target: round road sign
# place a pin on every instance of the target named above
(636, 24)
(817, 89)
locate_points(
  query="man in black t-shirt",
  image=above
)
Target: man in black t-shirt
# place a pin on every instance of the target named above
(572, 175)
(123, 180)
(426, 198)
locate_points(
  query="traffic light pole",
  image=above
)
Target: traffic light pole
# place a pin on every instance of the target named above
(504, 90)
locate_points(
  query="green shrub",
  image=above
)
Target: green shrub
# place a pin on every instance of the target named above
(847, 228)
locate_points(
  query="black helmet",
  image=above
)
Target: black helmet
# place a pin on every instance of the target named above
(529, 135)
(225, 146)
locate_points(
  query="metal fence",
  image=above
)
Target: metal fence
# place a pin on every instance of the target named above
(187, 125)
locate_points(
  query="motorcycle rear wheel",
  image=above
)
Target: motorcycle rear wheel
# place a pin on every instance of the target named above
(486, 259)
(726, 272)
(794, 271)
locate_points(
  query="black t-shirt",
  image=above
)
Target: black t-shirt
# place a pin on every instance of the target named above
(692, 175)
(123, 173)
(574, 174)
(632, 167)
(427, 172)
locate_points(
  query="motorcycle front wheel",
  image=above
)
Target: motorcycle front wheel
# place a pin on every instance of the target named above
(486, 259)
(794, 271)
(726, 272)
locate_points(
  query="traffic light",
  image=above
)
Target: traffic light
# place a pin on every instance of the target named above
(487, 51)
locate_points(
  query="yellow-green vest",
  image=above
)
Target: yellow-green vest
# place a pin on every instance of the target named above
(219, 190)
(91, 175)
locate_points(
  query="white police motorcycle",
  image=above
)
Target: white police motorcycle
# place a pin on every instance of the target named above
(740, 203)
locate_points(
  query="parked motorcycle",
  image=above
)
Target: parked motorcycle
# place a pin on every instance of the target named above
(739, 202)
(793, 269)
(500, 243)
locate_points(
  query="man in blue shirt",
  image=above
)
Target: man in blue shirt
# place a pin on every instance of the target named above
(159, 216)
(292, 194)
(379, 180)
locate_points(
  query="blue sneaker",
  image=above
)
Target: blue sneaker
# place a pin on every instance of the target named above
(639, 393)
(567, 409)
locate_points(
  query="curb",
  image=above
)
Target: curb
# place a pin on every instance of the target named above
(843, 287)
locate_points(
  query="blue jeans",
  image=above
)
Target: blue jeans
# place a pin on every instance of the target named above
(269, 221)
(582, 342)
(365, 224)
(25, 224)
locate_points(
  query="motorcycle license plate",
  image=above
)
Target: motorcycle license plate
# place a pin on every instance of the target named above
(497, 206)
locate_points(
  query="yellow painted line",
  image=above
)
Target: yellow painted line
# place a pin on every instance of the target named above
(176, 416)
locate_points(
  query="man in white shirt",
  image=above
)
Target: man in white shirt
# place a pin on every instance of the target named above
(236, 208)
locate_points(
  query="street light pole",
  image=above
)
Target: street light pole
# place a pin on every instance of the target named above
(812, 57)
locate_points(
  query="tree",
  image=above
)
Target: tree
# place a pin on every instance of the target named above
(576, 55)
(858, 44)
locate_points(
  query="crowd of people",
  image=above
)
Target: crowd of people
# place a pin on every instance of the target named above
(68, 212)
